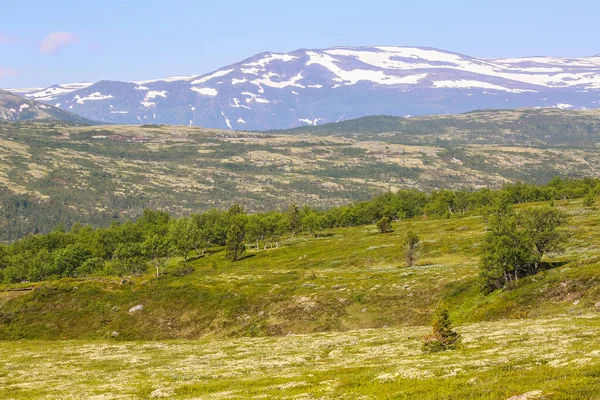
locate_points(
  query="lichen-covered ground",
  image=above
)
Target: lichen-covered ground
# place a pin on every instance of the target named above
(559, 357)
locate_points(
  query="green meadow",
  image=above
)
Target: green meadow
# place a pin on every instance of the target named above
(336, 316)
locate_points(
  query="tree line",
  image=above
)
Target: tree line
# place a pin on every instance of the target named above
(133, 247)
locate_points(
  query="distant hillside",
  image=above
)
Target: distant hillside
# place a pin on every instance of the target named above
(55, 172)
(521, 127)
(17, 108)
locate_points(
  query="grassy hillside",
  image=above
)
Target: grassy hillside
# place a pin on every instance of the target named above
(351, 278)
(332, 317)
(54, 173)
(18, 108)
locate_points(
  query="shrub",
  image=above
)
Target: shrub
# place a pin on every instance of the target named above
(183, 269)
(589, 200)
(384, 226)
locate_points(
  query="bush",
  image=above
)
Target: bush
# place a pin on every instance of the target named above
(90, 266)
(384, 226)
(183, 269)
(589, 200)
(127, 266)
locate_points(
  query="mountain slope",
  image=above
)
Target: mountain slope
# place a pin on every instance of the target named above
(310, 87)
(96, 174)
(17, 108)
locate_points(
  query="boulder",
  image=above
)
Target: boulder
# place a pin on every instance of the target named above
(158, 393)
(534, 395)
(137, 308)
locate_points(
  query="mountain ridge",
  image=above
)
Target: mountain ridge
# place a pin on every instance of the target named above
(18, 108)
(313, 86)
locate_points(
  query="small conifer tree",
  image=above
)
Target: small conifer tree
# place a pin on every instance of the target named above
(442, 336)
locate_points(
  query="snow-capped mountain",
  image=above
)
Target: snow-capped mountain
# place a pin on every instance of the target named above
(273, 90)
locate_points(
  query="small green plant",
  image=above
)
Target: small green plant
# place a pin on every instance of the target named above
(442, 336)
(384, 225)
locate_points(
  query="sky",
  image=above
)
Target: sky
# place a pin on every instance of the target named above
(48, 42)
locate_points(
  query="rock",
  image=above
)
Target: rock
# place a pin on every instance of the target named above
(364, 310)
(139, 307)
(158, 393)
(536, 394)
(114, 334)
(597, 305)
(576, 302)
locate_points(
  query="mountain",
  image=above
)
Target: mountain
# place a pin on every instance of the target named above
(310, 87)
(17, 108)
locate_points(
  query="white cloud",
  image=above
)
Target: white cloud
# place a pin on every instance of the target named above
(56, 41)
(6, 72)
(7, 39)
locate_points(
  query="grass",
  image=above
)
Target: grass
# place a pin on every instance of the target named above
(339, 316)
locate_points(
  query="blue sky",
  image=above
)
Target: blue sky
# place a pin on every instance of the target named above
(46, 42)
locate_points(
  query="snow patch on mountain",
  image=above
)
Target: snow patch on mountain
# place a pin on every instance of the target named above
(351, 77)
(167, 80)
(564, 106)
(267, 81)
(466, 84)
(254, 97)
(226, 120)
(156, 93)
(96, 96)
(214, 75)
(269, 58)
(206, 91)
(52, 92)
(310, 121)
